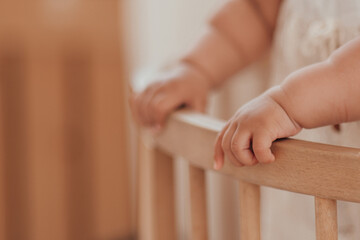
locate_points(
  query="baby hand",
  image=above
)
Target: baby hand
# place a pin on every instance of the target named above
(181, 86)
(247, 137)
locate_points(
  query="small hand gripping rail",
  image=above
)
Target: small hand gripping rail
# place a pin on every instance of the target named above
(327, 172)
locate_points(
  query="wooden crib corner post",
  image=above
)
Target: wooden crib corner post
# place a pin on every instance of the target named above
(249, 211)
(156, 193)
(326, 219)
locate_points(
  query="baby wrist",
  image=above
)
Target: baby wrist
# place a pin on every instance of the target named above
(198, 74)
(278, 95)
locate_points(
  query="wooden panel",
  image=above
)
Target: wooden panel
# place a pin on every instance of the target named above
(22, 40)
(249, 211)
(46, 140)
(14, 139)
(2, 180)
(198, 203)
(334, 174)
(112, 197)
(79, 143)
(65, 172)
(326, 219)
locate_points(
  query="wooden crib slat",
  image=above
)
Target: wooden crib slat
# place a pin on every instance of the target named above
(163, 196)
(198, 203)
(294, 169)
(249, 211)
(326, 219)
(144, 208)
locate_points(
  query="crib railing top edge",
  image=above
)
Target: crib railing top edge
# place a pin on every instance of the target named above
(304, 167)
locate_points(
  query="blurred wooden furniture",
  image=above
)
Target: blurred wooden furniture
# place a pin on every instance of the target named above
(329, 173)
(64, 172)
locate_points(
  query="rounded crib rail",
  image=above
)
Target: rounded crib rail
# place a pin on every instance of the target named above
(327, 172)
(304, 167)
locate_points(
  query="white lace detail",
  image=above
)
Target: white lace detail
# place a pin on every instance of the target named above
(325, 36)
(308, 31)
(321, 38)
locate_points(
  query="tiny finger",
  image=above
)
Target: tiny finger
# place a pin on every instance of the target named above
(161, 106)
(226, 145)
(218, 151)
(261, 146)
(146, 102)
(240, 146)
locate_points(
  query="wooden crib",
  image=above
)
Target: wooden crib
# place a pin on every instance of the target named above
(328, 173)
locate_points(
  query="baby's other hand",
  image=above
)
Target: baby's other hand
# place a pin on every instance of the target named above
(247, 137)
(181, 86)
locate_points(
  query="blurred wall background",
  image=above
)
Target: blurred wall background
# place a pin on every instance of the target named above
(160, 30)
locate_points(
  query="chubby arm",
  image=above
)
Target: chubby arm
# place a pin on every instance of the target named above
(237, 35)
(321, 94)
(324, 93)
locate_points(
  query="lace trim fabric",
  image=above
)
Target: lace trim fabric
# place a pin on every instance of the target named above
(325, 36)
(314, 36)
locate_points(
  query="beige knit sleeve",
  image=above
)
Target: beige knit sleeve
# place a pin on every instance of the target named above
(238, 34)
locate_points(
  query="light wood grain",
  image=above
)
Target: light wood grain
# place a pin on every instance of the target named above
(198, 203)
(155, 192)
(144, 195)
(2, 181)
(304, 167)
(112, 173)
(15, 164)
(47, 175)
(326, 219)
(249, 211)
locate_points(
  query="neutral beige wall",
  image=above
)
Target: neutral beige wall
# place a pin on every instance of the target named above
(160, 30)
